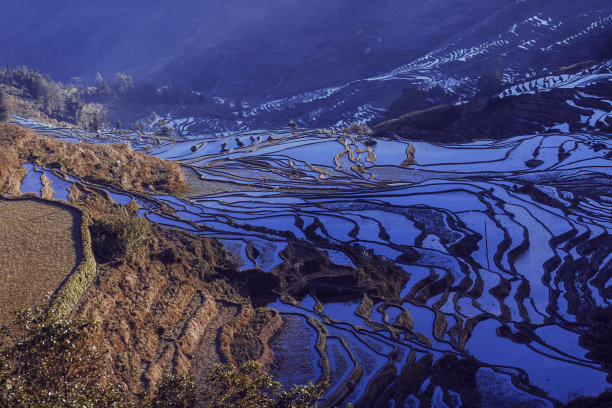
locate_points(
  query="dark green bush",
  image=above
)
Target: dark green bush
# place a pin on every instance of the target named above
(5, 107)
(114, 239)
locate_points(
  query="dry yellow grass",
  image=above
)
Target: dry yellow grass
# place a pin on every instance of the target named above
(40, 245)
(109, 164)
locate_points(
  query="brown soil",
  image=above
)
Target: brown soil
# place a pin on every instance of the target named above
(40, 244)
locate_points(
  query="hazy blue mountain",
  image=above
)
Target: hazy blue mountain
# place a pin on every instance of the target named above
(265, 47)
(321, 62)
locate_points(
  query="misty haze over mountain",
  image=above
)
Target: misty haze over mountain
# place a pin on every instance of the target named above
(271, 48)
(281, 45)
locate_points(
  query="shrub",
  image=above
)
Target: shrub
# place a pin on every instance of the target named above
(101, 163)
(358, 129)
(165, 131)
(73, 108)
(175, 391)
(246, 343)
(247, 387)
(114, 239)
(5, 108)
(94, 123)
(52, 363)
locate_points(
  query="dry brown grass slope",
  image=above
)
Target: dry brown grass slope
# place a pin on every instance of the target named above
(109, 164)
(40, 245)
(160, 308)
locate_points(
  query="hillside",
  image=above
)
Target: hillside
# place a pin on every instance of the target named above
(302, 204)
(371, 53)
(220, 38)
(569, 103)
(113, 164)
(162, 301)
(402, 270)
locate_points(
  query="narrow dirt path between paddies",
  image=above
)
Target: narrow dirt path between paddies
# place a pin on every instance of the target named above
(40, 245)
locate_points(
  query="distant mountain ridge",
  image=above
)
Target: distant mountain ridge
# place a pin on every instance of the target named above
(286, 47)
(322, 63)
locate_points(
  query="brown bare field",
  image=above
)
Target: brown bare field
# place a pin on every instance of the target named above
(40, 245)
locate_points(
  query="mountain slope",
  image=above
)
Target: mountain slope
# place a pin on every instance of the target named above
(407, 271)
(567, 102)
(204, 43)
(321, 63)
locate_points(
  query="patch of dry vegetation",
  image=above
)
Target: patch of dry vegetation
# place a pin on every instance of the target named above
(245, 338)
(160, 297)
(109, 164)
(40, 245)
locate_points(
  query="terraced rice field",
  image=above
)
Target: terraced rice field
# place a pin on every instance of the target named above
(529, 48)
(506, 245)
(39, 247)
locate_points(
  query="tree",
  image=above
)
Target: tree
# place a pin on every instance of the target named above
(102, 87)
(73, 108)
(165, 131)
(4, 76)
(94, 123)
(9, 76)
(115, 239)
(247, 387)
(5, 107)
(52, 362)
(51, 98)
(122, 83)
(80, 83)
(358, 129)
(31, 81)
